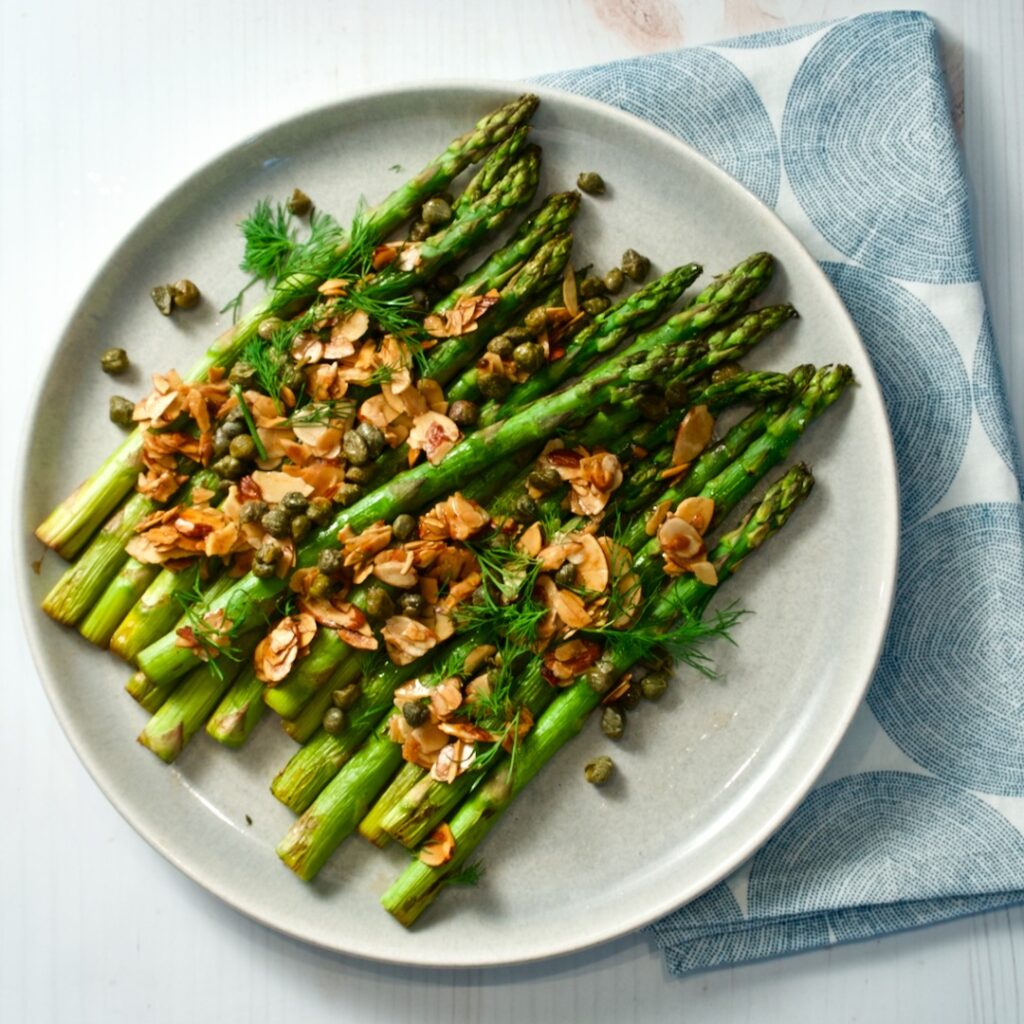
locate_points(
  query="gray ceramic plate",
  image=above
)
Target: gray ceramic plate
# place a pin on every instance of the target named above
(706, 777)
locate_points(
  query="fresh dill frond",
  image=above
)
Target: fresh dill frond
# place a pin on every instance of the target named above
(368, 715)
(322, 413)
(506, 605)
(269, 240)
(216, 641)
(469, 875)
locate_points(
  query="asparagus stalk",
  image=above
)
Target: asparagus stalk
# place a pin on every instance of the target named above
(69, 526)
(372, 827)
(304, 725)
(131, 582)
(239, 712)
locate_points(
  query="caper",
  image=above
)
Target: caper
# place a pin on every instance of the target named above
(232, 428)
(599, 771)
(495, 386)
(653, 408)
(566, 575)
(436, 212)
(537, 320)
(524, 509)
(520, 334)
(268, 552)
(599, 679)
(253, 511)
(502, 346)
(403, 526)
(277, 523)
(613, 723)
(595, 306)
(725, 372)
(346, 696)
(321, 586)
(243, 447)
(319, 511)
(355, 448)
(263, 570)
(544, 479)
(163, 298)
(447, 280)
(243, 374)
(292, 376)
(653, 685)
(122, 411)
(463, 412)
(419, 299)
(300, 204)
(295, 501)
(114, 361)
(229, 468)
(415, 713)
(334, 721)
(373, 436)
(590, 182)
(330, 561)
(360, 474)
(346, 494)
(529, 356)
(591, 287)
(614, 280)
(236, 414)
(186, 294)
(269, 326)
(677, 394)
(301, 527)
(631, 698)
(378, 603)
(635, 266)
(412, 604)
(420, 230)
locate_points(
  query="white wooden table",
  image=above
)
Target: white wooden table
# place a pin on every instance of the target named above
(103, 107)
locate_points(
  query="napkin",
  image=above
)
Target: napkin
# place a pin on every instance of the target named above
(844, 129)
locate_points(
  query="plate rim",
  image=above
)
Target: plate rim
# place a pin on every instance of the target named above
(33, 621)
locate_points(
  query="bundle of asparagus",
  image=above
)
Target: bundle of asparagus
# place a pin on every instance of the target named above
(433, 523)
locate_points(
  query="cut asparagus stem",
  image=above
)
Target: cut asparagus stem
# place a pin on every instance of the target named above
(133, 579)
(304, 725)
(372, 826)
(419, 884)
(74, 520)
(239, 712)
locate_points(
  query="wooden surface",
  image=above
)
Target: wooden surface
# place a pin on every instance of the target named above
(103, 107)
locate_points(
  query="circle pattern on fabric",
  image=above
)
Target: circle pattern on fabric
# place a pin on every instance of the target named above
(869, 149)
(883, 837)
(990, 400)
(924, 382)
(700, 97)
(949, 689)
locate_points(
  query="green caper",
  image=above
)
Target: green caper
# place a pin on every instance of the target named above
(590, 182)
(122, 411)
(221, 444)
(524, 509)
(378, 603)
(232, 428)
(447, 280)
(373, 436)
(292, 376)
(301, 527)
(599, 771)
(412, 604)
(544, 479)
(300, 204)
(355, 448)
(436, 212)
(529, 356)
(269, 326)
(229, 468)
(114, 361)
(725, 372)
(520, 334)
(403, 527)
(346, 494)
(537, 320)
(268, 552)
(334, 721)
(295, 501)
(419, 299)
(420, 230)
(502, 346)
(243, 447)
(635, 266)
(591, 287)
(360, 474)
(599, 679)
(236, 414)
(463, 412)
(330, 561)
(653, 685)
(321, 586)
(566, 575)
(613, 722)
(186, 294)
(494, 386)
(277, 523)
(163, 298)
(415, 713)
(614, 280)
(631, 698)
(346, 696)
(243, 374)
(253, 511)
(319, 511)
(596, 305)
(263, 570)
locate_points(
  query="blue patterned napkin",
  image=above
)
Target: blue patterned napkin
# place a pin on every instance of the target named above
(844, 129)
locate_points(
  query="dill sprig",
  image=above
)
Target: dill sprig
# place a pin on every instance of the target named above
(269, 240)
(469, 875)
(236, 390)
(504, 603)
(216, 641)
(322, 413)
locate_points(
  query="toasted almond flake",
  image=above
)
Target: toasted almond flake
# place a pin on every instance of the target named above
(435, 434)
(477, 657)
(591, 564)
(531, 541)
(619, 690)
(673, 471)
(705, 572)
(351, 327)
(394, 574)
(697, 511)
(678, 538)
(333, 287)
(398, 729)
(439, 848)
(274, 485)
(693, 434)
(452, 760)
(466, 731)
(462, 317)
(569, 607)
(478, 688)
(657, 517)
(407, 639)
(569, 293)
(278, 650)
(415, 689)
(446, 697)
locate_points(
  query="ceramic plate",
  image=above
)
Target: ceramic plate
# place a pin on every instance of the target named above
(706, 776)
